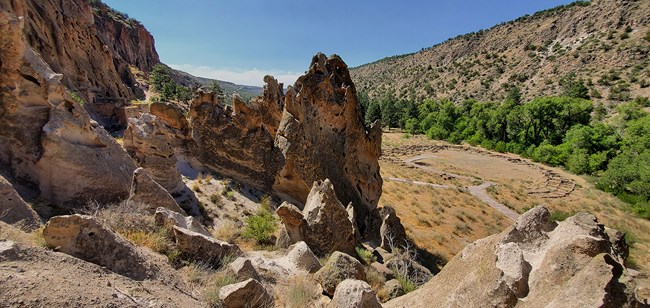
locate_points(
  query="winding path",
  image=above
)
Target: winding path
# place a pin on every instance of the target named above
(479, 191)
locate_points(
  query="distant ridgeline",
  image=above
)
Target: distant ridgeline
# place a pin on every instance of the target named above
(603, 43)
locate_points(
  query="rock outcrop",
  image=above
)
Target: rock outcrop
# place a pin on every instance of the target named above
(250, 293)
(148, 141)
(167, 218)
(354, 294)
(324, 218)
(49, 143)
(14, 210)
(96, 48)
(146, 191)
(338, 268)
(299, 259)
(236, 141)
(384, 229)
(198, 247)
(535, 263)
(284, 143)
(87, 239)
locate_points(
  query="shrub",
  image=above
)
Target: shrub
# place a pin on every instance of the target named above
(261, 227)
(299, 292)
(366, 256)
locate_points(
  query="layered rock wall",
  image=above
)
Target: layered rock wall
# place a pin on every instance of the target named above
(48, 143)
(96, 50)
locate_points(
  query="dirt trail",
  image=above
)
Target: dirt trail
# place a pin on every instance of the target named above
(477, 190)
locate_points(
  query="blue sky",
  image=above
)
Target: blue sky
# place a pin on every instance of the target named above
(242, 40)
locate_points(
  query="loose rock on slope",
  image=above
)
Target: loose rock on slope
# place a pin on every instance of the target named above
(323, 219)
(534, 263)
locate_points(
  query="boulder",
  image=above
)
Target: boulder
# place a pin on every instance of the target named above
(535, 263)
(169, 114)
(392, 289)
(384, 229)
(244, 269)
(14, 210)
(85, 238)
(9, 251)
(383, 270)
(354, 294)
(149, 142)
(165, 217)
(249, 293)
(146, 191)
(196, 246)
(339, 267)
(48, 140)
(303, 258)
(324, 218)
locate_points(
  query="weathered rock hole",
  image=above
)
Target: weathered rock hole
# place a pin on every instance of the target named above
(91, 234)
(31, 79)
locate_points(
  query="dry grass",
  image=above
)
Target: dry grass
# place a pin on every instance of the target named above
(446, 220)
(228, 231)
(297, 291)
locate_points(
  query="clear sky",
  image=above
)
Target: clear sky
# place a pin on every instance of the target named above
(242, 40)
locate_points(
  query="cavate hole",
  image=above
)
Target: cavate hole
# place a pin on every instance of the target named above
(91, 234)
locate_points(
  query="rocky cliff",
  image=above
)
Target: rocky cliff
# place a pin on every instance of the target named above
(284, 143)
(98, 50)
(49, 145)
(605, 42)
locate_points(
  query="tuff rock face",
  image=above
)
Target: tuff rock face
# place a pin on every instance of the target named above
(249, 293)
(48, 142)
(535, 263)
(323, 219)
(96, 50)
(146, 191)
(285, 143)
(87, 239)
(14, 210)
(150, 143)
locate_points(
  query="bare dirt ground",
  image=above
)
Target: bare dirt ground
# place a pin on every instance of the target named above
(442, 192)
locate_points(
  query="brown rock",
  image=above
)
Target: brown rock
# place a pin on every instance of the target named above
(149, 143)
(85, 238)
(146, 191)
(249, 293)
(284, 144)
(324, 218)
(165, 217)
(384, 229)
(196, 246)
(392, 289)
(564, 264)
(14, 210)
(322, 135)
(48, 139)
(354, 294)
(169, 114)
(244, 269)
(100, 54)
(338, 268)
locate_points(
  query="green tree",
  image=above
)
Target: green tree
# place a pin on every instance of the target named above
(374, 112)
(215, 88)
(390, 113)
(574, 87)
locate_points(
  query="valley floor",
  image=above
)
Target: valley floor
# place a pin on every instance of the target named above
(448, 196)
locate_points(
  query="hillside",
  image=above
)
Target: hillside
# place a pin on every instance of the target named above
(606, 43)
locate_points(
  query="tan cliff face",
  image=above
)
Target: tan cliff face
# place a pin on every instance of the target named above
(49, 144)
(95, 50)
